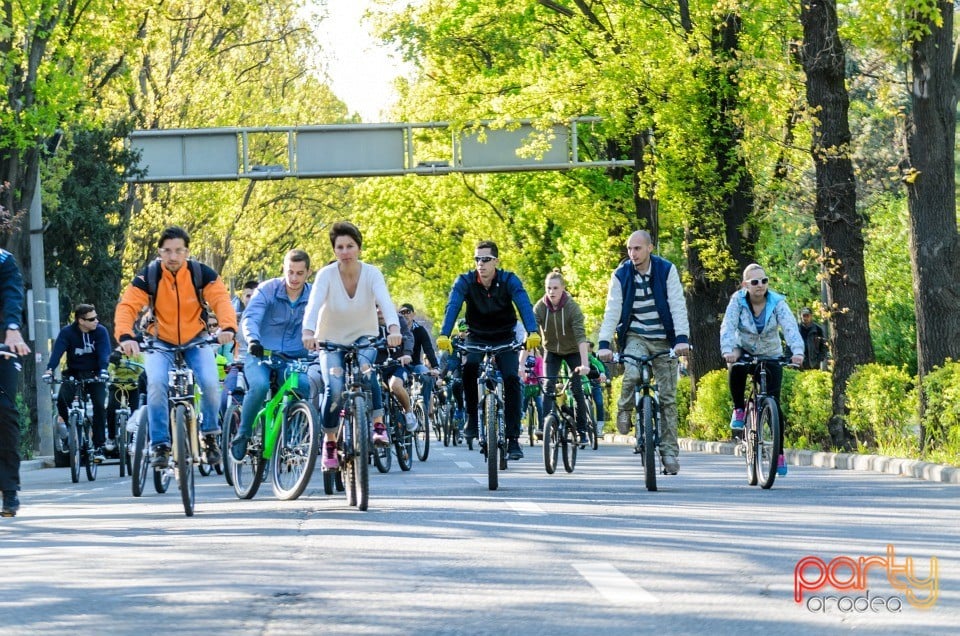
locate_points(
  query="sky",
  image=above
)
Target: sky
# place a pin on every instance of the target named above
(361, 71)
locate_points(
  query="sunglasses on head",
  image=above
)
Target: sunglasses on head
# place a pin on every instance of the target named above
(483, 259)
(758, 281)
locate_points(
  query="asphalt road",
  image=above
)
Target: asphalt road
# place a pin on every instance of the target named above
(592, 552)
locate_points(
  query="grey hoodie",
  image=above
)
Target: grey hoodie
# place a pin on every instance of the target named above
(561, 326)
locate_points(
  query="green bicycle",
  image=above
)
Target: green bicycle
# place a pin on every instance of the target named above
(284, 432)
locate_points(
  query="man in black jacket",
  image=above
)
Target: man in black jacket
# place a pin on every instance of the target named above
(815, 350)
(422, 348)
(11, 309)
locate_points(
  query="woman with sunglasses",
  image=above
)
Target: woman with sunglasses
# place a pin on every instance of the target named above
(752, 323)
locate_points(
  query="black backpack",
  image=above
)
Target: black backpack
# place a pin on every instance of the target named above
(196, 275)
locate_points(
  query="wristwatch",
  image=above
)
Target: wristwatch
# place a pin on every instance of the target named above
(13, 327)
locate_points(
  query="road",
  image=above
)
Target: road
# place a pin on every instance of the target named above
(590, 552)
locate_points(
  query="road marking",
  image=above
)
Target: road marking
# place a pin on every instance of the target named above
(463, 464)
(526, 508)
(480, 479)
(613, 585)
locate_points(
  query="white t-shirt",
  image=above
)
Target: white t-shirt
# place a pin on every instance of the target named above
(333, 315)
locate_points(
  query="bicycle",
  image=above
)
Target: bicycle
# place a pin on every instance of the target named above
(80, 428)
(184, 426)
(451, 424)
(761, 440)
(353, 430)
(283, 435)
(395, 421)
(122, 416)
(421, 435)
(559, 425)
(531, 414)
(493, 440)
(646, 414)
(230, 419)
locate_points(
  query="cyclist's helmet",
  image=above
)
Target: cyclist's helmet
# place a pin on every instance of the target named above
(462, 326)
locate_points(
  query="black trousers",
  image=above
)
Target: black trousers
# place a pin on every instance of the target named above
(9, 424)
(509, 364)
(97, 392)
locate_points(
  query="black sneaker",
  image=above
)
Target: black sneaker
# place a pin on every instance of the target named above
(11, 504)
(212, 448)
(583, 438)
(470, 431)
(514, 452)
(161, 456)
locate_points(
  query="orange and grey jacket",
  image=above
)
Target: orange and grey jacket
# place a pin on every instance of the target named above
(177, 310)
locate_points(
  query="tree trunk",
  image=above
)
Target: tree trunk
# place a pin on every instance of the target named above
(929, 174)
(841, 228)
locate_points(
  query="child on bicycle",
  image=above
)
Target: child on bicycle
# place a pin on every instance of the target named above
(752, 323)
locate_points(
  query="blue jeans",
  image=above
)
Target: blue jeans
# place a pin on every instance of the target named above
(258, 384)
(596, 391)
(331, 365)
(202, 361)
(426, 385)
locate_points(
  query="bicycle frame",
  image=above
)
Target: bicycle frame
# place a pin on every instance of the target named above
(272, 412)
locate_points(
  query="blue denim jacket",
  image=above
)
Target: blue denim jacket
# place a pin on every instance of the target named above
(272, 319)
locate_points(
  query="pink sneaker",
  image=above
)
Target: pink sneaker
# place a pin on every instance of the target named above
(380, 434)
(330, 460)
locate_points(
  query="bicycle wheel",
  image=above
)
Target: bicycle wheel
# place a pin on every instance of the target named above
(383, 455)
(87, 447)
(571, 442)
(122, 439)
(649, 444)
(403, 446)
(229, 425)
(768, 442)
(332, 480)
(248, 474)
(493, 448)
(73, 443)
(533, 420)
(438, 419)
(750, 445)
(204, 468)
(551, 442)
(591, 423)
(349, 460)
(141, 458)
(361, 440)
(445, 416)
(183, 458)
(421, 436)
(296, 451)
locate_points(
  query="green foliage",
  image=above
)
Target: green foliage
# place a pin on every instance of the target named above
(27, 430)
(709, 417)
(684, 404)
(941, 422)
(806, 403)
(882, 406)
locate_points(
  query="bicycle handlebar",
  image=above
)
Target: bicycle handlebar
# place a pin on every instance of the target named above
(152, 345)
(749, 360)
(627, 357)
(468, 347)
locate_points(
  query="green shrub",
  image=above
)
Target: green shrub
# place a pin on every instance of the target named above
(882, 407)
(942, 417)
(683, 405)
(26, 434)
(806, 400)
(709, 417)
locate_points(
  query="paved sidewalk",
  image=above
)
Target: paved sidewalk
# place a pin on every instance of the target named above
(839, 461)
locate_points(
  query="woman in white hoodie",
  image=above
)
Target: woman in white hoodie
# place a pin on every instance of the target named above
(565, 340)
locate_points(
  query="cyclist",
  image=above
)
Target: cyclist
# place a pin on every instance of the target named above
(343, 309)
(394, 375)
(422, 352)
(11, 310)
(532, 372)
(491, 295)
(177, 310)
(752, 323)
(596, 387)
(87, 345)
(452, 365)
(124, 381)
(239, 351)
(647, 310)
(565, 341)
(272, 323)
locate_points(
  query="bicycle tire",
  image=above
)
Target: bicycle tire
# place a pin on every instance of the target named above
(768, 443)
(750, 448)
(204, 468)
(230, 424)
(328, 481)
(446, 418)
(296, 451)
(493, 447)
(183, 458)
(551, 441)
(348, 460)
(591, 423)
(141, 462)
(361, 438)
(570, 444)
(248, 474)
(161, 480)
(73, 443)
(89, 465)
(122, 439)
(649, 444)
(533, 419)
(421, 436)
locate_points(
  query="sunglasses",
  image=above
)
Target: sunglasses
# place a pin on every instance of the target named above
(758, 281)
(405, 312)
(483, 259)
(93, 319)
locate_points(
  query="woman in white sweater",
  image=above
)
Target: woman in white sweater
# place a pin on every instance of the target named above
(343, 309)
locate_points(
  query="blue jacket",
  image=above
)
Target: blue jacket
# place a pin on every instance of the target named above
(11, 290)
(490, 313)
(273, 320)
(86, 352)
(667, 297)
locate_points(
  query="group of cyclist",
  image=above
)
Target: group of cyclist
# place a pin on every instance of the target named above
(349, 301)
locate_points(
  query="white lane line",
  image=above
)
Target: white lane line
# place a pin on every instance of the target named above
(480, 479)
(613, 585)
(463, 464)
(526, 508)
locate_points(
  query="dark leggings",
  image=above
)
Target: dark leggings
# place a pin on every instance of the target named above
(738, 385)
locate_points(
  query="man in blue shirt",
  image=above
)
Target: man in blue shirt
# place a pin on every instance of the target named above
(87, 345)
(11, 312)
(272, 323)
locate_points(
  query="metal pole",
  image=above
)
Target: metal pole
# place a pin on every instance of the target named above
(46, 426)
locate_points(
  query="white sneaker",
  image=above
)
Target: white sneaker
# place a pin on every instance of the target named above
(411, 422)
(110, 445)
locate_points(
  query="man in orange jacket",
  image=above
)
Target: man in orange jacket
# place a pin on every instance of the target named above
(177, 320)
